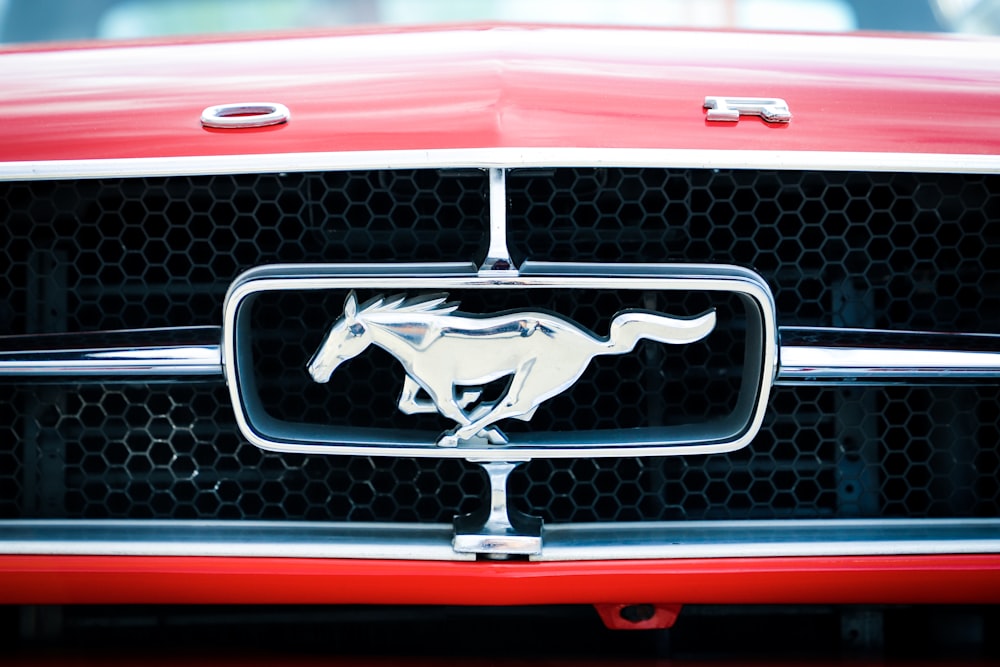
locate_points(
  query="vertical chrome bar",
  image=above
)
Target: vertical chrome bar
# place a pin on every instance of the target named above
(498, 530)
(498, 523)
(498, 256)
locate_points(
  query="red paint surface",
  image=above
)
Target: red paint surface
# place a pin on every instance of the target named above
(479, 87)
(854, 580)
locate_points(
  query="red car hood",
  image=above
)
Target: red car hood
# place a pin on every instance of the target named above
(503, 87)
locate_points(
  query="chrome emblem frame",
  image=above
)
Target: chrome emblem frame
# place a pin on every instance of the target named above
(524, 336)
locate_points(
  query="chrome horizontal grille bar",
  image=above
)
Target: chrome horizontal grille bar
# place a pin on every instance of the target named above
(262, 539)
(498, 158)
(145, 354)
(833, 356)
(764, 539)
(822, 356)
(635, 541)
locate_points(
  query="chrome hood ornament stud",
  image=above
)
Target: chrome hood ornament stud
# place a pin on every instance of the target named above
(450, 357)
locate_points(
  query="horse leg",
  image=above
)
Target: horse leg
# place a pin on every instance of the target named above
(464, 431)
(468, 397)
(483, 426)
(527, 415)
(409, 403)
(491, 433)
(513, 404)
(448, 405)
(483, 409)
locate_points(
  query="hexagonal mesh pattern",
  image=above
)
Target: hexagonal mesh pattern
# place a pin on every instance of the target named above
(898, 251)
(156, 252)
(878, 250)
(822, 453)
(173, 451)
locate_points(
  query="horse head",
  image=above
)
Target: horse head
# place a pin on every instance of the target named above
(347, 338)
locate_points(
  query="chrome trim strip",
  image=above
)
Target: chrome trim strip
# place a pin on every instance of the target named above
(141, 353)
(577, 542)
(833, 356)
(259, 539)
(764, 539)
(498, 158)
(807, 355)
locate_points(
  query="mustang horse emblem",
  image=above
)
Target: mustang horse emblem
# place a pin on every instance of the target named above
(542, 354)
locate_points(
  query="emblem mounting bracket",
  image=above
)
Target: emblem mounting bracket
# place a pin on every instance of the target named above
(498, 529)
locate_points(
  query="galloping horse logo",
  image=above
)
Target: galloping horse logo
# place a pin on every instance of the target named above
(542, 354)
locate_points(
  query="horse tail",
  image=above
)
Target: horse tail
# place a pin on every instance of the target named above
(631, 326)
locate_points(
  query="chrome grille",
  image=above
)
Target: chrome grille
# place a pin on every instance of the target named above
(890, 250)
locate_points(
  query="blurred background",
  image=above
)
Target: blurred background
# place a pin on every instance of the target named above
(48, 20)
(74, 635)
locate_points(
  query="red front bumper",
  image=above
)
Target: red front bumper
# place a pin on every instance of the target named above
(840, 580)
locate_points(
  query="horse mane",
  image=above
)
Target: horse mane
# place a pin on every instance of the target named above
(430, 303)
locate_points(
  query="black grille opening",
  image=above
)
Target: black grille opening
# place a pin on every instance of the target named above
(822, 453)
(92, 255)
(845, 249)
(851, 249)
(173, 451)
(880, 250)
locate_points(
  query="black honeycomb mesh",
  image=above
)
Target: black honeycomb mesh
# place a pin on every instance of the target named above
(884, 250)
(892, 251)
(156, 252)
(173, 451)
(822, 453)
(877, 250)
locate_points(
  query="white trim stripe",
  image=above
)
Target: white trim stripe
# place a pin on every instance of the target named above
(491, 158)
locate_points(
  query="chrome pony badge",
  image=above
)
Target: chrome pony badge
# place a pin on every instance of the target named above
(440, 351)
(488, 384)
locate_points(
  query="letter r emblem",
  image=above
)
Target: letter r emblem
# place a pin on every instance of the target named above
(772, 110)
